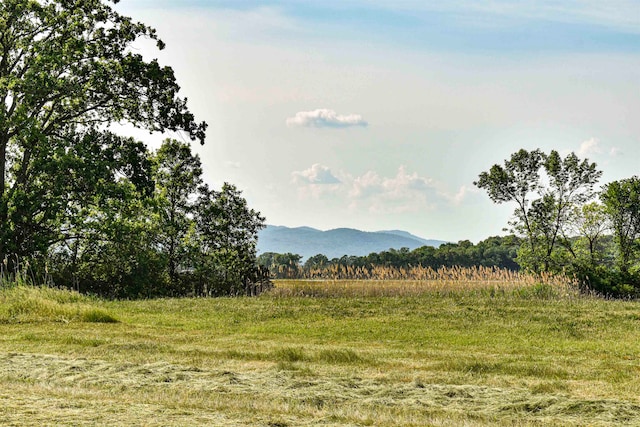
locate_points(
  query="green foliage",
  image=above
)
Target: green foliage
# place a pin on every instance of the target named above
(228, 230)
(182, 239)
(67, 71)
(608, 281)
(178, 175)
(545, 189)
(316, 261)
(563, 231)
(283, 266)
(622, 203)
(93, 210)
(113, 251)
(497, 251)
(590, 223)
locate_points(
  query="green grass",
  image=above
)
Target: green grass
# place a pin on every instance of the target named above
(443, 358)
(20, 304)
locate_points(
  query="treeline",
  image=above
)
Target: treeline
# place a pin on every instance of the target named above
(498, 252)
(85, 208)
(161, 233)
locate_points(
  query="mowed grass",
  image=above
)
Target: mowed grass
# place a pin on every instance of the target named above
(437, 355)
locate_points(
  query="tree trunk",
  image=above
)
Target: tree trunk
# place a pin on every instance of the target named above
(3, 202)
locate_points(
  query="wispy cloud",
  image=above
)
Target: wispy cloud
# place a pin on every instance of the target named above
(325, 118)
(618, 15)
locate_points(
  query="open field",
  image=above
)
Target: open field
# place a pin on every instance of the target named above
(496, 355)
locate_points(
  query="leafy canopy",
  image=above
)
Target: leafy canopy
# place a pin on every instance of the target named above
(545, 188)
(68, 71)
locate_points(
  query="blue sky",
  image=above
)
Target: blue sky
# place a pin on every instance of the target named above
(380, 115)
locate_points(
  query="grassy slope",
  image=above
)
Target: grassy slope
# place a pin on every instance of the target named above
(416, 360)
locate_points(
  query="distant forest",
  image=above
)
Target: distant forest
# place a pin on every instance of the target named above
(499, 251)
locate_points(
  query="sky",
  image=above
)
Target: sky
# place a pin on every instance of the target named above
(380, 115)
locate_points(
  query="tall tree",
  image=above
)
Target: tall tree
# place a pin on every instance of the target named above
(545, 188)
(589, 223)
(517, 182)
(67, 69)
(178, 175)
(86, 193)
(66, 181)
(622, 203)
(229, 232)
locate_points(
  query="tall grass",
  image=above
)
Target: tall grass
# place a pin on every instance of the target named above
(385, 281)
(28, 304)
(14, 273)
(455, 273)
(24, 299)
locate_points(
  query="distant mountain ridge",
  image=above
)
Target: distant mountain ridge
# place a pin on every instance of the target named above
(307, 241)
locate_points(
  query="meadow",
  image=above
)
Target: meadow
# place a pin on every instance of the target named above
(324, 352)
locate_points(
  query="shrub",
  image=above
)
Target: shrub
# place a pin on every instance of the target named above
(610, 282)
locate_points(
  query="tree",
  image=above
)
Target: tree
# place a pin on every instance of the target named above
(284, 266)
(589, 222)
(101, 204)
(544, 201)
(318, 261)
(65, 187)
(622, 203)
(114, 252)
(67, 71)
(228, 230)
(178, 176)
(515, 182)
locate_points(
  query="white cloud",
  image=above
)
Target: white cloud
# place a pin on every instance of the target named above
(233, 165)
(463, 194)
(593, 146)
(405, 192)
(589, 147)
(373, 193)
(323, 117)
(316, 174)
(371, 183)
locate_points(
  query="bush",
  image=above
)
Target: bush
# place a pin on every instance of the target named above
(610, 282)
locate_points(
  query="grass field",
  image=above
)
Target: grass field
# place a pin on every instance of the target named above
(348, 355)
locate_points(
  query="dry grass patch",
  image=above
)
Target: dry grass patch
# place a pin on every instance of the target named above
(84, 392)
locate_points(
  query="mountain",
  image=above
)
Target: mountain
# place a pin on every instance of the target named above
(425, 242)
(307, 241)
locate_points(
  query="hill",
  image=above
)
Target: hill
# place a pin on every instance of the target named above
(307, 241)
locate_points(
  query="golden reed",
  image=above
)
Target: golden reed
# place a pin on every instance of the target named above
(390, 281)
